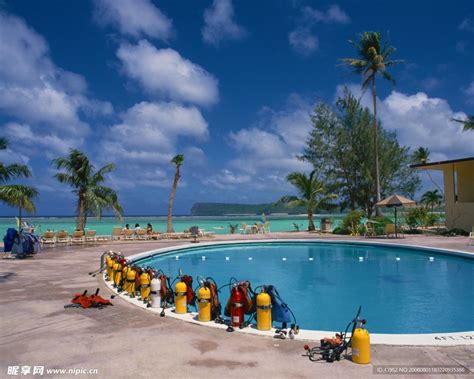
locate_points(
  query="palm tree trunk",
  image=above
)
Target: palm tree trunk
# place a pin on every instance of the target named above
(80, 212)
(19, 219)
(311, 227)
(169, 228)
(378, 211)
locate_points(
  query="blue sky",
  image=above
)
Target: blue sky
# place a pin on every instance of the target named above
(228, 83)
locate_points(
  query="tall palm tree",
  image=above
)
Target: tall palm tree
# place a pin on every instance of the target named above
(422, 156)
(178, 162)
(373, 59)
(431, 199)
(16, 195)
(19, 196)
(312, 194)
(92, 196)
(468, 123)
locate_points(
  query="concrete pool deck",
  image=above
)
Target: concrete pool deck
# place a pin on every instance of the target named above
(124, 341)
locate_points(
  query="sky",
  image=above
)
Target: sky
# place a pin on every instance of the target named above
(230, 84)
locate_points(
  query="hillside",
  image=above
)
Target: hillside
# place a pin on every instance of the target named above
(223, 209)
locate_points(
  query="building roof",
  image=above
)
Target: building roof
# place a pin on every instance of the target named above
(440, 163)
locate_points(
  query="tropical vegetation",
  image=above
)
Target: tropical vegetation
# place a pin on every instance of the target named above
(468, 123)
(177, 161)
(16, 195)
(431, 199)
(422, 156)
(87, 183)
(340, 146)
(373, 59)
(312, 194)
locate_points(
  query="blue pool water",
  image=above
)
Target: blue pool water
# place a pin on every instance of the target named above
(409, 295)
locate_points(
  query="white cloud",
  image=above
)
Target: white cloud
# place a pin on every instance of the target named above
(136, 18)
(23, 134)
(467, 25)
(268, 151)
(165, 72)
(333, 15)
(420, 120)
(219, 24)
(148, 136)
(303, 41)
(35, 91)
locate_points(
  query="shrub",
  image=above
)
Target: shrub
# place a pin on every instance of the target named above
(416, 217)
(351, 223)
(340, 231)
(455, 232)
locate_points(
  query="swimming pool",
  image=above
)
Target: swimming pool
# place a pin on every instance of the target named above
(401, 290)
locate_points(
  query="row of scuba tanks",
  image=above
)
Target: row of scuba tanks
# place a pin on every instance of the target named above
(156, 290)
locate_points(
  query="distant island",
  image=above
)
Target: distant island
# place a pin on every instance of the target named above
(225, 209)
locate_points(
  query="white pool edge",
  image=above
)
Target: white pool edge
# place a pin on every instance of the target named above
(425, 339)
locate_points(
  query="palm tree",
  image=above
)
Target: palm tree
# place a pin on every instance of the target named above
(312, 194)
(422, 156)
(16, 195)
(431, 199)
(19, 196)
(92, 196)
(177, 161)
(373, 59)
(468, 123)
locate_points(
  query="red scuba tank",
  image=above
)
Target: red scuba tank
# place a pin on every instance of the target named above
(236, 307)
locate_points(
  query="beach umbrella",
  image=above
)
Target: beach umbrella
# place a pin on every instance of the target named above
(396, 201)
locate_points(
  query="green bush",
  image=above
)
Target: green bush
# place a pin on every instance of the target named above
(340, 231)
(431, 219)
(416, 217)
(455, 232)
(351, 223)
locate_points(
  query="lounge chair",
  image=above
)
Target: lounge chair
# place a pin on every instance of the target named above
(390, 230)
(48, 238)
(266, 227)
(369, 230)
(62, 237)
(471, 237)
(78, 237)
(195, 233)
(129, 234)
(244, 229)
(91, 236)
(116, 233)
(141, 234)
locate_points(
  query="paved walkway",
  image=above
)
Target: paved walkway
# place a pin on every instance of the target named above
(123, 341)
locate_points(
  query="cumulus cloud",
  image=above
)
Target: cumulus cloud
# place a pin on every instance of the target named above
(36, 91)
(136, 18)
(24, 136)
(149, 135)
(267, 151)
(164, 72)
(420, 120)
(302, 39)
(333, 15)
(219, 24)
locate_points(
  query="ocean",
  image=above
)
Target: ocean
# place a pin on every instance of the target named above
(218, 224)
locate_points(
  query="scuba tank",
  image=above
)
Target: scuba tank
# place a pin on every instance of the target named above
(155, 292)
(264, 311)
(145, 281)
(239, 303)
(180, 303)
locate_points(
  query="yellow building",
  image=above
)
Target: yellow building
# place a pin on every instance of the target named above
(458, 190)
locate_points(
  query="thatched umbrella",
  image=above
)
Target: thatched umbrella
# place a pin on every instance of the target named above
(396, 201)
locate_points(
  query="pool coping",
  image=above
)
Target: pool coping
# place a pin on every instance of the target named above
(422, 339)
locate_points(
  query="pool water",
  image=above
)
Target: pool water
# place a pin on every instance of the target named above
(401, 290)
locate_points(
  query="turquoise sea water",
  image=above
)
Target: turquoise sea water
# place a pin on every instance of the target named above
(324, 283)
(219, 225)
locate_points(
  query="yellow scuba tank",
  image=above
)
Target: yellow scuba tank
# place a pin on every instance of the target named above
(109, 263)
(204, 304)
(264, 311)
(117, 274)
(145, 286)
(180, 302)
(131, 276)
(361, 346)
(124, 276)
